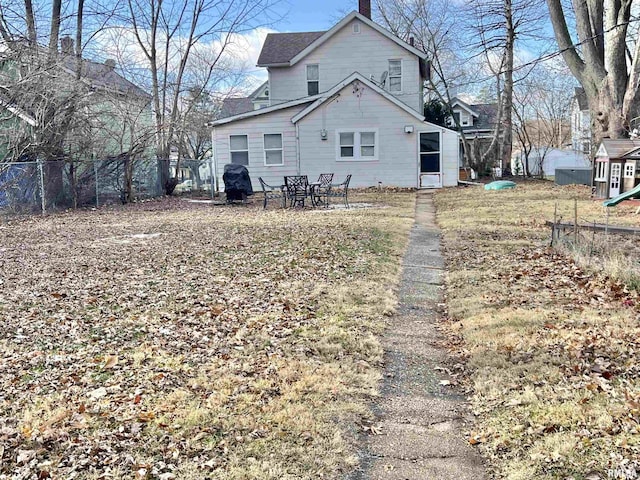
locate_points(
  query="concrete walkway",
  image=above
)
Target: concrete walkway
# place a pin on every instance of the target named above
(421, 421)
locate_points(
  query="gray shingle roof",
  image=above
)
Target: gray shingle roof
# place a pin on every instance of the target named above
(280, 48)
(617, 148)
(104, 77)
(235, 106)
(487, 115)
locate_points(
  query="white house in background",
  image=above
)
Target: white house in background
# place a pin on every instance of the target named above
(544, 161)
(345, 101)
(580, 123)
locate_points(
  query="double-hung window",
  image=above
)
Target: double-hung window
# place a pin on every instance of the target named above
(273, 149)
(357, 145)
(395, 75)
(239, 149)
(313, 79)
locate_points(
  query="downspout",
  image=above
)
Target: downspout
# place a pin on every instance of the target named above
(298, 148)
(214, 162)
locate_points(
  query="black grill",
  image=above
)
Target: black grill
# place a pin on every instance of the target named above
(237, 183)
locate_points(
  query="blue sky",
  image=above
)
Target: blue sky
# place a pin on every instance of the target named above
(311, 15)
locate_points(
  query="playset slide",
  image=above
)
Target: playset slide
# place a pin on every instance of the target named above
(633, 193)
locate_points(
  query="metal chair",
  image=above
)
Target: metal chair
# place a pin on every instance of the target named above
(340, 190)
(296, 189)
(271, 192)
(320, 189)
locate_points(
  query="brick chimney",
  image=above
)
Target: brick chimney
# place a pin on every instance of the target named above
(364, 7)
(66, 45)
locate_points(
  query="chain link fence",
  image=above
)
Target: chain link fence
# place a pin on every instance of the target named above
(48, 185)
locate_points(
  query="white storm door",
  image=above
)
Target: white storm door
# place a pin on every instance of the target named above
(430, 160)
(614, 181)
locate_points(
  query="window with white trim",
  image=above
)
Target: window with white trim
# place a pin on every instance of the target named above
(357, 145)
(601, 171)
(239, 149)
(273, 149)
(395, 75)
(629, 170)
(313, 79)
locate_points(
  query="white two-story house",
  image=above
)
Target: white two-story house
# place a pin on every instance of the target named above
(345, 101)
(580, 123)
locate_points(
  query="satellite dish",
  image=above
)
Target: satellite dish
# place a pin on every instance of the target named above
(383, 78)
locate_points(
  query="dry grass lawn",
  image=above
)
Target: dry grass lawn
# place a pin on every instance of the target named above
(170, 339)
(551, 343)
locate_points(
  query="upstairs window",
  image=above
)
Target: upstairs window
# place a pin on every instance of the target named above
(239, 149)
(395, 75)
(313, 79)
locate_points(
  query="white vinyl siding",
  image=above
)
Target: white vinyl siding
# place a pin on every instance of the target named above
(273, 149)
(396, 151)
(358, 145)
(395, 76)
(239, 149)
(313, 79)
(255, 128)
(368, 53)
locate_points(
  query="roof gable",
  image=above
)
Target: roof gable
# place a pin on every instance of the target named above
(260, 92)
(456, 102)
(287, 49)
(343, 23)
(345, 83)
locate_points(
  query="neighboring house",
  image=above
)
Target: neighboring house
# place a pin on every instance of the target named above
(616, 167)
(544, 161)
(46, 114)
(477, 122)
(114, 111)
(580, 123)
(258, 99)
(346, 101)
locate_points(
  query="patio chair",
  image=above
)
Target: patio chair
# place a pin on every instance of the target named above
(296, 189)
(320, 189)
(340, 190)
(271, 193)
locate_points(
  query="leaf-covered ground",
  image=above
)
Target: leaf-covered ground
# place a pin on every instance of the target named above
(170, 339)
(552, 347)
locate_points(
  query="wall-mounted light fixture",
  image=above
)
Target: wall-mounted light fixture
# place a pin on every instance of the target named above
(408, 129)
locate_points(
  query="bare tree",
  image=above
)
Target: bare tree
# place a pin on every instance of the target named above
(605, 60)
(434, 26)
(169, 35)
(542, 106)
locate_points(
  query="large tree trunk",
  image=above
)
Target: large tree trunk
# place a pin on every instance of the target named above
(507, 94)
(600, 65)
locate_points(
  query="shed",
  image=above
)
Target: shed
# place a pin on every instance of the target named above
(615, 167)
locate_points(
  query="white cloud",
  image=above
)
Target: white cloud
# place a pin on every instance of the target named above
(235, 68)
